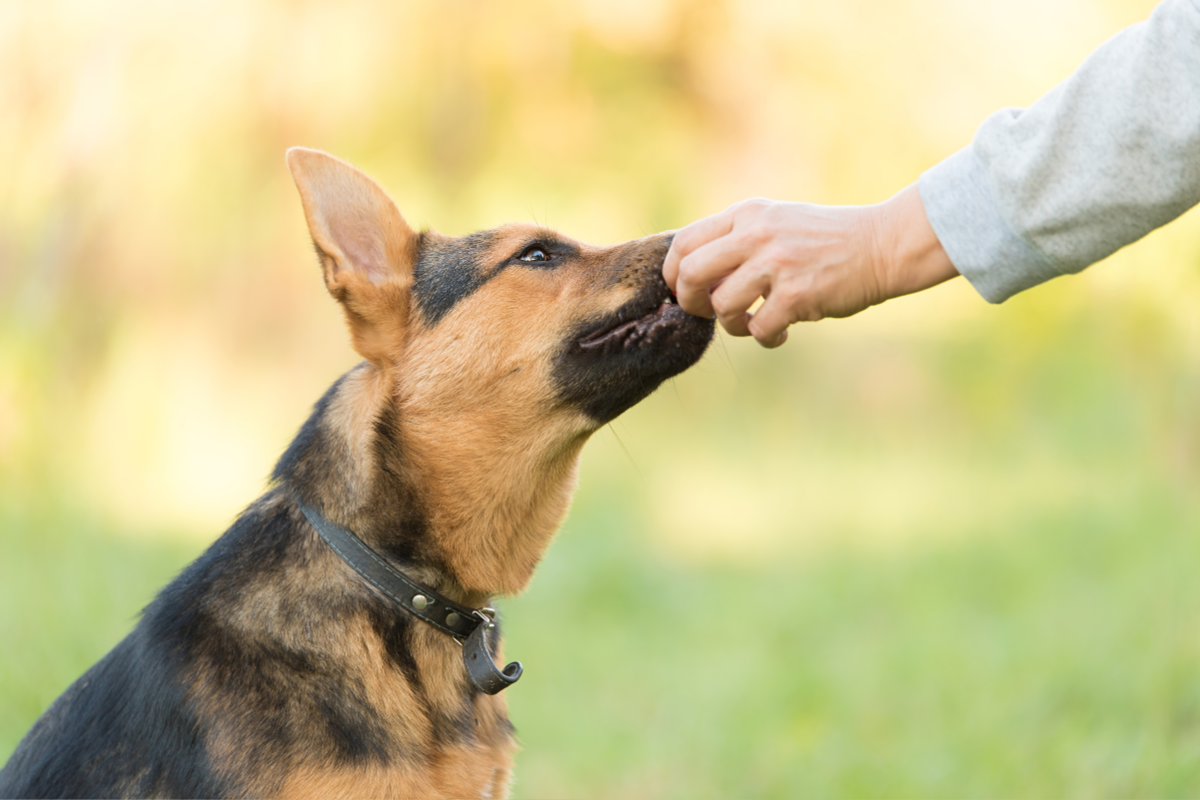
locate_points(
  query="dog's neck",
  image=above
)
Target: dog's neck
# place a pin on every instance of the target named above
(467, 507)
(494, 502)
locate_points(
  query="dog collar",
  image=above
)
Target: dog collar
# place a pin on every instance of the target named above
(468, 626)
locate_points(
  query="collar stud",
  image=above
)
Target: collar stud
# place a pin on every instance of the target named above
(467, 626)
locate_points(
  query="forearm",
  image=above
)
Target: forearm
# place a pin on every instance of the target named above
(1097, 163)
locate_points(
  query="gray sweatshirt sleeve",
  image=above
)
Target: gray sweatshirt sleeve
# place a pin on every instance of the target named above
(1097, 163)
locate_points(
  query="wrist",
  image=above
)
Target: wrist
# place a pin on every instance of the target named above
(908, 255)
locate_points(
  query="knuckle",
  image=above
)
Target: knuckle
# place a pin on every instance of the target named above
(751, 207)
(680, 246)
(686, 268)
(795, 289)
(793, 297)
(725, 309)
(802, 307)
(756, 233)
(776, 260)
(686, 236)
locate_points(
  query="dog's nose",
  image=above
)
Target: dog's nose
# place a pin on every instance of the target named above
(666, 248)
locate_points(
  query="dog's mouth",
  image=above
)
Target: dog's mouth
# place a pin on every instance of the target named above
(613, 362)
(642, 321)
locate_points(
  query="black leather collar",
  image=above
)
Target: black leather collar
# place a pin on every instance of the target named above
(468, 626)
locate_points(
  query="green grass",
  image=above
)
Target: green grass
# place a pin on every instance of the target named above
(70, 589)
(1059, 658)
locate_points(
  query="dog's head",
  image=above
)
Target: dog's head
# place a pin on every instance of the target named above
(519, 319)
(501, 350)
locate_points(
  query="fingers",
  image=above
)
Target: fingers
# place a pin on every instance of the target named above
(769, 324)
(731, 300)
(694, 236)
(722, 264)
(705, 267)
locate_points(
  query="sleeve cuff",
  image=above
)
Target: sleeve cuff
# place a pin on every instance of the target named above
(983, 247)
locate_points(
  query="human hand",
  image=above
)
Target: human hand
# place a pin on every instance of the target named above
(807, 262)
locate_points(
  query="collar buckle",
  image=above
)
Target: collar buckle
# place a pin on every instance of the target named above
(467, 626)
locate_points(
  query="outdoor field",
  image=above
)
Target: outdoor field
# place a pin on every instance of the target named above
(938, 549)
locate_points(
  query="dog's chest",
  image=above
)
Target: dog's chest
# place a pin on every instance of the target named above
(480, 771)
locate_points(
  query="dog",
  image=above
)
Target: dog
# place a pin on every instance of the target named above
(337, 641)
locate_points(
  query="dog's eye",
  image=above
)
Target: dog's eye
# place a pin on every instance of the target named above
(534, 253)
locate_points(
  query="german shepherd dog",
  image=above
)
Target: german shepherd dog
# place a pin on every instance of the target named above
(274, 666)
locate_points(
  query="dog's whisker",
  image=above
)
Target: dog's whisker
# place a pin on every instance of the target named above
(725, 352)
(632, 461)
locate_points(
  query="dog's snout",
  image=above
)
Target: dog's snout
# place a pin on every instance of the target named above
(650, 254)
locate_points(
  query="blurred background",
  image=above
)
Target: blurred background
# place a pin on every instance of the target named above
(940, 548)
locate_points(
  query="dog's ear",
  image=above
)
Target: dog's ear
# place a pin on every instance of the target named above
(366, 248)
